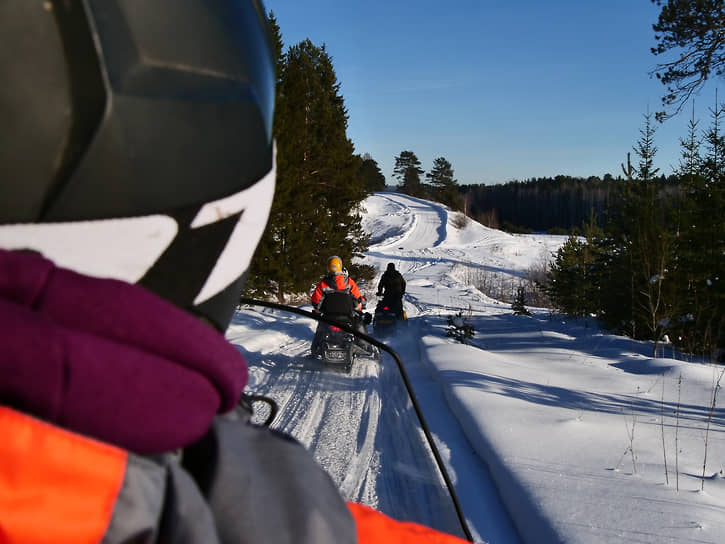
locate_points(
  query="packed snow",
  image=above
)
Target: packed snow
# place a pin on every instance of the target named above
(550, 429)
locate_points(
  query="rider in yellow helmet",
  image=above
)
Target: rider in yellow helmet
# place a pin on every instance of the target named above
(336, 280)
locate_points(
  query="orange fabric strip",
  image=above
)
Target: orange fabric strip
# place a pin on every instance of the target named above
(376, 528)
(55, 486)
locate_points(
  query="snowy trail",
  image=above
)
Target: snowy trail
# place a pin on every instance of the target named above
(534, 418)
(360, 426)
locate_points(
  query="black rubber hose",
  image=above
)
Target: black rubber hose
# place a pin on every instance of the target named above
(406, 380)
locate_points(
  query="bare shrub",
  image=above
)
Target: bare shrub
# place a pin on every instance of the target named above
(460, 221)
(505, 287)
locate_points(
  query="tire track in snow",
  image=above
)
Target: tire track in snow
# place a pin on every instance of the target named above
(363, 467)
(359, 427)
(311, 396)
(413, 466)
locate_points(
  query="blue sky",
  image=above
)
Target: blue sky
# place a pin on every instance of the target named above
(502, 89)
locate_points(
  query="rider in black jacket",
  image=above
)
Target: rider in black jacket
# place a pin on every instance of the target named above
(392, 289)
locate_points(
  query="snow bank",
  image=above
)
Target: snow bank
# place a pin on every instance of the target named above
(573, 437)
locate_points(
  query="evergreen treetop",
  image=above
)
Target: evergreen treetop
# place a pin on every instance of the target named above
(407, 171)
(443, 183)
(319, 190)
(370, 171)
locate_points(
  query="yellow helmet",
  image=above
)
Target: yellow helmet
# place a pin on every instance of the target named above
(334, 265)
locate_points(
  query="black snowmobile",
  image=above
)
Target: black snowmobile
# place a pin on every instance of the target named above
(334, 345)
(389, 314)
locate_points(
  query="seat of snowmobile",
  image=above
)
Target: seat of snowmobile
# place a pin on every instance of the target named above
(339, 306)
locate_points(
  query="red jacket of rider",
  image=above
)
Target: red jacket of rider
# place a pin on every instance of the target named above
(338, 282)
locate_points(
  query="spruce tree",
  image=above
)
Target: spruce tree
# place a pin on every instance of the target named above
(642, 248)
(712, 228)
(519, 303)
(569, 283)
(686, 265)
(277, 44)
(267, 272)
(323, 169)
(701, 244)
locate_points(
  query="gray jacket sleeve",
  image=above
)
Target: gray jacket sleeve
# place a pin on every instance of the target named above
(240, 484)
(266, 487)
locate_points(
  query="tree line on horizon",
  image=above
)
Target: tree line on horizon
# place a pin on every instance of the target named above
(556, 205)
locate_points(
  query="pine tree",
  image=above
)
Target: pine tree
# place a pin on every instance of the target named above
(444, 185)
(696, 29)
(407, 171)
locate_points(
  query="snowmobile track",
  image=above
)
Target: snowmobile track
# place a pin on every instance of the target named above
(366, 430)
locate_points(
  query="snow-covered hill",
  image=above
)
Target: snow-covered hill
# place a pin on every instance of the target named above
(550, 431)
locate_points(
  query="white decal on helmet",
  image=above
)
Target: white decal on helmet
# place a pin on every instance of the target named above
(85, 247)
(254, 204)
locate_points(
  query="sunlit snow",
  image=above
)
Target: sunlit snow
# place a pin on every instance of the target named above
(551, 430)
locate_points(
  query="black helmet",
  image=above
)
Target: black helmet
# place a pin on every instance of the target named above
(136, 141)
(391, 267)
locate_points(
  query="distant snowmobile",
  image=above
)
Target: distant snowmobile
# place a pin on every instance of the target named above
(388, 315)
(334, 345)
